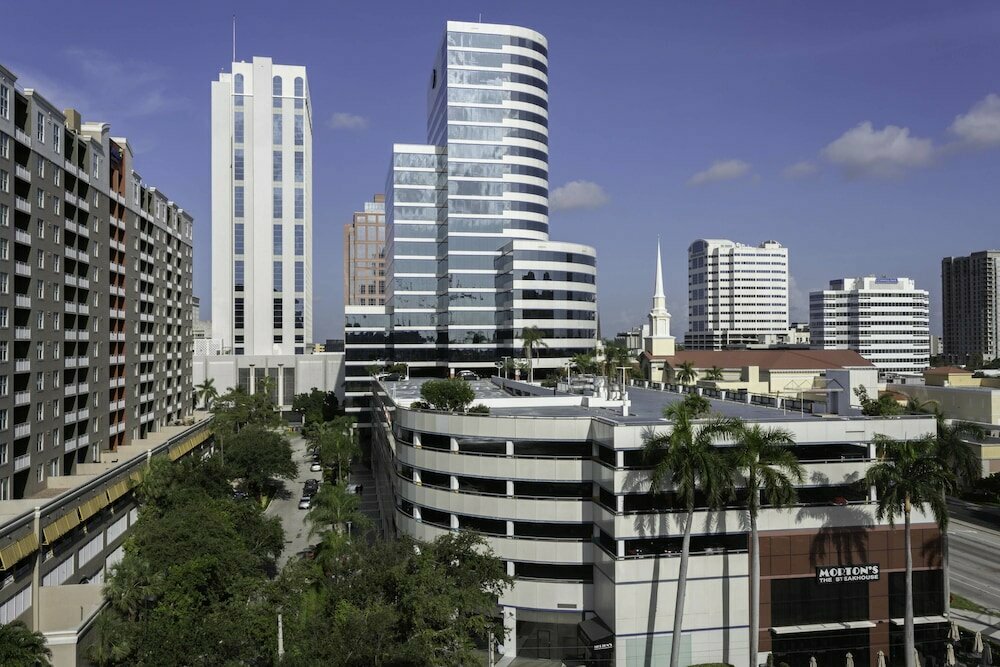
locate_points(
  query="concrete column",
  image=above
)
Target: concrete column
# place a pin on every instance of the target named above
(36, 574)
(510, 625)
(453, 482)
(510, 488)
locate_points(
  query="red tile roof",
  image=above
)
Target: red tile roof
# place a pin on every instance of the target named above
(769, 359)
(946, 370)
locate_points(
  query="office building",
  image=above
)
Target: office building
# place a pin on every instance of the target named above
(886, 320)
(262, 209)
(971, 307)
(737, 294)
(364, 255)
(469, 262)
(95, 295)
(559, 490)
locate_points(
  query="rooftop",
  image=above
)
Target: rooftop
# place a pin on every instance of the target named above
(773, 359)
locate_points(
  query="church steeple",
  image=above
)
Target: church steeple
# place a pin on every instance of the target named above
(659, 342)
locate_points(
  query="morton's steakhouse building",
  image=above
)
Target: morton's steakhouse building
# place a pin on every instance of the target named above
(559, 488)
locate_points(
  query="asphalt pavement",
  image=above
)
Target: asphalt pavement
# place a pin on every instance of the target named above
(285, 506)
(974, 560)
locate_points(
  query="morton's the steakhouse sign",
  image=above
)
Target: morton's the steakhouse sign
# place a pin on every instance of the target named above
(846, 573)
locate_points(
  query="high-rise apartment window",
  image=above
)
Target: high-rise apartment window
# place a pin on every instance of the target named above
(238, 127)
(3, 350)
(300, 87)
(4, 215)
(4, 181)
(300, 314)
(4, 322)
(277, 204)
(276, 167)
(238, 164)
(300, 241)
(276, 86)
(238, 247)
(300, 276)
(300, 168)
(238, 275)
(277, 276)
(300, 204)
(299, 129)
(276, 128)
(4, 283)
(5, 103)
(238, 201)
(4, 249)
(41, 199)
(40, 128)
(238, 312)
(238, 84)
(276, 239)
(277, 314)
(56, 134)
(4, 146)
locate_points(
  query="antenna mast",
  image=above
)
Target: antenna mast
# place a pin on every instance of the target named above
(234, 37)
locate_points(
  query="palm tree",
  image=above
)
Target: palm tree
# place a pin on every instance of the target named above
(769, 467)
(686, 462)
(333, 508)
(531, 339)
(20, 647)
(207, 392)
(685, 373)
(345, 444)
(713, 373)
(914, 406)
(584, 362)
(908, 475)
(957, 456)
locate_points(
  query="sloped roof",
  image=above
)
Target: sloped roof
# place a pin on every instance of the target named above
(791, 359)
(947, 370)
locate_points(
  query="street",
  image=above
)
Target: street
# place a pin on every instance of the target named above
(286, 506)
(974, 563)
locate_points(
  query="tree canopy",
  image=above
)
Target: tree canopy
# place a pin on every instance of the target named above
(453, 394)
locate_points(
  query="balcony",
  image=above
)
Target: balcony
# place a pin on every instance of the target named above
(146, 377)
(83, 334)
(22, 333)
(70, 362)
(70, 279)
(145, 358)
(22, 301)
(82, 256)
(117, 382)
(70, 444)
(22, 398)
(83, 387)
(70, 334)
(115, 429)
(83, 283)
(22, 269)
(71, 198)
(22, 430)
(21, 204)
(71, 253)
(83, 309)
(115, 266)
(116, 358)
(82, 204)
(70, 307)
(82, 362)
(71, 168)
(22, 136)
(83, 414)
(22, 173)
(70, 390)
(117, 312)
(22, 462)
(22, 366)
(117, 336)
(70, 417)
(22, 236)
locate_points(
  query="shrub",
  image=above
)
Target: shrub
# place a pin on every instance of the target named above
(420, 405)
(453, 394)
(479, 409)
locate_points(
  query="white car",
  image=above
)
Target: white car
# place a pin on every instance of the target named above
(315, 467)
(305, 502)
(467, 375)
(354, 488)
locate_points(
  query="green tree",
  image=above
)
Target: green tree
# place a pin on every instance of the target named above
(310, 405)
(769, 468)
(207, 392)
(616, 355)
(714, 373)
(20, 647)
(256, 455)
(585, 362)
(452, 394)
(685, 373)
(532, 339)
(686, 462)
(908, 474)
(884, 406)
(333, 507)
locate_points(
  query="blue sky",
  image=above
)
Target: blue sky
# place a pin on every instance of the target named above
(861, 135)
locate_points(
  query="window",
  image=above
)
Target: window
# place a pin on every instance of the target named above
(238, 84)
(276, 128)
(40, 167)
(55, 234)
(300, 276)
(238, 277)
(3, 357)
(4, 249)
(277, 276)
(3, 392)
(4, 283)
(57, 176)
(41, 199)
(238, 131)
(4, 215)
(40, 351)
(276, 168)
(238, 201)
(41, 259)
(276, 244)
(4, 181)
(300, 233)
(40, 476)
(40, 321)
(40, 128)
(276, 203)
(300, 87)
(4, 146)
(300, 204)
(5, 103)
(276, 86)
(238, 164)
(39, 412)
(4, 321)
(56, 135)
(40, 229)
(299, 167)
(299, 129)
(277, 313)
(238, 246)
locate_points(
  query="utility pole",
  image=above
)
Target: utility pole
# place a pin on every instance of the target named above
(281, 639)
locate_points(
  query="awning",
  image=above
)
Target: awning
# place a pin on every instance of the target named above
(597, 634)
(15, 551)
(118, 489)
(61, 526)
(821, 627)
(920, 620)
(188, 444)
(92, 506)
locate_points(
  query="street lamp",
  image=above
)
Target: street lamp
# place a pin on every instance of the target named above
(281, 387)
(253, 378)
(506, 365)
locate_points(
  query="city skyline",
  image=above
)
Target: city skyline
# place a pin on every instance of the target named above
(838, 152)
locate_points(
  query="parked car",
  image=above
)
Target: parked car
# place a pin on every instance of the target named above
(305, 502)
(467, 375)
(316, 467)
(354, 488)
(311, 486)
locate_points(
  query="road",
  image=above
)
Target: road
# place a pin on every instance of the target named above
(285, 506)
(981, 515)
(974, 554)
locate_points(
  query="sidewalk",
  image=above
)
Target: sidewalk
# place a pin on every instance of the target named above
(985, 623)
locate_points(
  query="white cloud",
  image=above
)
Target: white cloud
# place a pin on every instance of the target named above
(722, 170)
(981, 125)
(865, 151)
(578, 194)
(348, 121)
(801, 169)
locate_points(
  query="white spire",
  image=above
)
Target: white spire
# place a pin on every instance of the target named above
(658, 293)
(658, 341)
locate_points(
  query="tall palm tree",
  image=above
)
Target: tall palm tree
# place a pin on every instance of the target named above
(954, 452)
(207, 392)
(685, 373)
(333, 508)
(908, 475)
(584, 362)
(532, 338)
(713, 373)
(770, 468)
(685, 462)
(20, 647)
(914, 406)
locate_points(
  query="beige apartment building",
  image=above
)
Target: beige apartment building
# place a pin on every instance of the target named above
(364, 255)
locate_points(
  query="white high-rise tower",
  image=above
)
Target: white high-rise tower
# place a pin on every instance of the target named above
(262, 209)
(659, 343)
